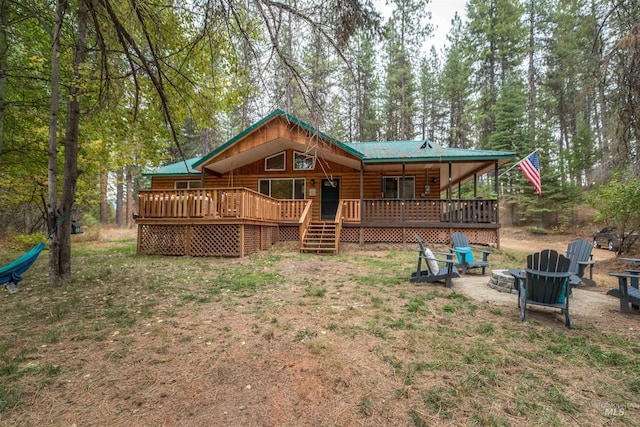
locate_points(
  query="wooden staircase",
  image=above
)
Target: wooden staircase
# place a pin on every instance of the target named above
(320, 238)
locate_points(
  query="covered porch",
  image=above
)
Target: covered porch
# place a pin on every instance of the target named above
(237, 221)
(283, 180)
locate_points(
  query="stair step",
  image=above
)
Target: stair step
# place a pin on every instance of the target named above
(314, 249)
(318, 251)
(320, 238)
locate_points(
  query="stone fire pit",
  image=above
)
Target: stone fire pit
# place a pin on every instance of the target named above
(502, 281)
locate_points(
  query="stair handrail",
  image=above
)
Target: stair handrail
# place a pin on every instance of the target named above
(338, 221)
(303, 223)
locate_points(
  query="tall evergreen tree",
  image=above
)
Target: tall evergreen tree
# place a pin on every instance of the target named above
(317, 73)
(496, 42)
(570, 78)
(430, 98)
(456, 88)
(623, 60)
(366, 88)
(405, 31)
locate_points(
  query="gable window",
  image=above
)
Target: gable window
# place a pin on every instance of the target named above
(179, 185)
(302, 161)
(392, 187)
(284, 188)
(276, 162)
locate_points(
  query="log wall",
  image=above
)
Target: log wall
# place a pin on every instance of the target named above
(349, 180)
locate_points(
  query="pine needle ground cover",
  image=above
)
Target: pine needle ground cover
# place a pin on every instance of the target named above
(287, 339)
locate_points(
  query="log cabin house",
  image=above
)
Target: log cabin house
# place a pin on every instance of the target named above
(282, 180)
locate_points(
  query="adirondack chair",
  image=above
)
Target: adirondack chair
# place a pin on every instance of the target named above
(579, 253)
(433, 272)
(466, 261)
(627, 294)
(546, 283)
(10, 274)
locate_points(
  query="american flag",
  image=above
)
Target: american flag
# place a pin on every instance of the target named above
(531, 169)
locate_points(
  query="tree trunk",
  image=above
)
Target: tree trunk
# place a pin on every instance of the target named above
(119, 196)
(4, 48)
(52, 198)
(104, 185)
(129, 211)
(60, 274)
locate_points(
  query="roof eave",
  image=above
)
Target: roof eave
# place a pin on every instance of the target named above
(197, 174)
(438, 159)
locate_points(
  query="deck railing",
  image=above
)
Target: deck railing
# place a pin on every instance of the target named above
(212, 203)
(350, 210)
(244, 203)
(431, 210)
(303, 222)
(338, 221)
(291, 210)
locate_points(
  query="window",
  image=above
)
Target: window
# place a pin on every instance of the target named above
(302, 161)
(179, 185)
(276, 162)
(284, 188)
(391, 186)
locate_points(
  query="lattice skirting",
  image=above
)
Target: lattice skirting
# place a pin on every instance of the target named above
(162, 239)
(480, 235)
(235, 240)
(383, 235)
(289, 234)
(407, 235)
(205, 239)
(268, 237)
(430, 235)
(252, 243)
(350, 235)
(215, 240)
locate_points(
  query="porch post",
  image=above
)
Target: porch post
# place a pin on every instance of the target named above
(402, 194)
(475, 185)
(450, 193)
(361, 185)
(361, 237)
(495, 189)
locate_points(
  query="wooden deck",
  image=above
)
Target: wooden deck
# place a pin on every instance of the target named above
(239, 221)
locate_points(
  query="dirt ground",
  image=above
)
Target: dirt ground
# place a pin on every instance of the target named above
(282, 357)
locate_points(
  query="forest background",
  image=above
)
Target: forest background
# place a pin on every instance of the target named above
(146, 84)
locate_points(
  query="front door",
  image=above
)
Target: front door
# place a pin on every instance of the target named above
(329, 199)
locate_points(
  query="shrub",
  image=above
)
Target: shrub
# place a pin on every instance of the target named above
(27, 241)
(537, 230)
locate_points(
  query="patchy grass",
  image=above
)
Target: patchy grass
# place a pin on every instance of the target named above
(280, 338)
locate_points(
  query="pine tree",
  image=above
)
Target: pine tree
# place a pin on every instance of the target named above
(496, 38)
(570, 76)
(367, 87)
(430, 98)
(404, 31)
(456, 89)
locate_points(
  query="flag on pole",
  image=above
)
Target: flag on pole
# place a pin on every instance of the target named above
(531, 169)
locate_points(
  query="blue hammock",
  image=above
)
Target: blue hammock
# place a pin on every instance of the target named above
(10, 274)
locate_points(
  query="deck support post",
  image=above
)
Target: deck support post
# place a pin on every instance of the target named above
(361, 237)
(495, 189)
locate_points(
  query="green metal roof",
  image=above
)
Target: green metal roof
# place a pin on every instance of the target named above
(176, 169)
(264, 120)
(369, 152)
(421, 151)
